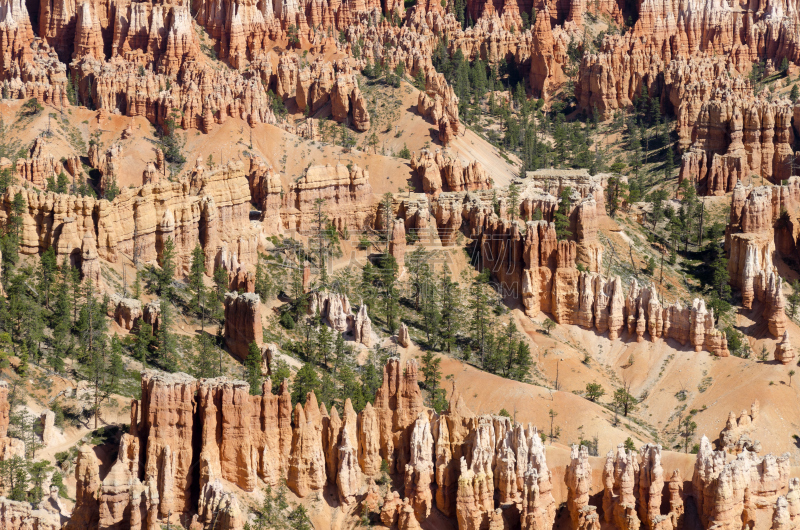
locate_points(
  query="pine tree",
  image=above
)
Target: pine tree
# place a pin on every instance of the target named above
(794, 298)
(220, 288)
(167, 273)
(137, 286)
(432, 373)
(430, 305)
(561, 217)
(48, 270)
(11, 239)
(38, 472)
(22, 354)
(516, 355)
(351, 388)
(480, 313)
(299, 296)
(204, 365)
(389, 292)
(450, 313)
(14, 477)
(252, 368)
(305, 380)
(144, 343)
(513, 200)
(324, 342)
(263, 285)
(197, 270)
(166, 342)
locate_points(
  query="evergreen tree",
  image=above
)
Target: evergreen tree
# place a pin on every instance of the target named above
(430, 305)
(220, 288)
(450, 313)
(432, 373)
(38, 473)
(594, 391)
(480, 321)
(167, 274)
(351, 388)
(624, 400)
(305, 380)
(197, 270)
(137, 286)
(252, 368)
(144, 343)
(561, 216)
(10, 240)
(204, 363)
(263, 285)
(166, 342)
(794, 298)
(299, 297)
(327, 389)
(389, 292)
(324, 342)
(100, 365)
(513, 200)
(518, 355)
(62, 183)
(48, 272)
(14, 477)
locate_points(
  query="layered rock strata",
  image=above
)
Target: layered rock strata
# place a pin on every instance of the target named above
(345, 192)
(242, 323)
(208, 207)
(735, 437)
(738, 138)
(760, 221)
(335, 310)
(784, 351)
(239, 442)
(440, 172)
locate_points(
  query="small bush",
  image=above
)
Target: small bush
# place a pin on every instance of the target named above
(287, 321)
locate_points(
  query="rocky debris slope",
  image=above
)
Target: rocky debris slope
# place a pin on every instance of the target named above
(532, 265)
(23, 515)
(761, 221)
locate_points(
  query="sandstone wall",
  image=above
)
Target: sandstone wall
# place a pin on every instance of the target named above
(217, 427)
(240, 442)
(206, 207)
(439, 172)
(737, 138)
(346, 194)
(760, 217)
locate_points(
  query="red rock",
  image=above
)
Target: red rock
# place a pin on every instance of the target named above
(397, 405)
(784, 351)
(307, 459)
(419, 474)
(242, 323)
(346, 193)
